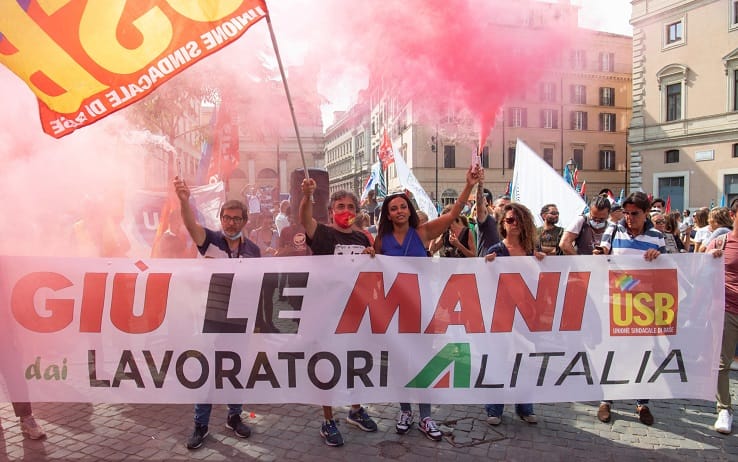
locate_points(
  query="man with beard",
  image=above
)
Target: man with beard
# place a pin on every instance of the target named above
(585, 232)
(549, 234)
(227, 243)
(338, 238)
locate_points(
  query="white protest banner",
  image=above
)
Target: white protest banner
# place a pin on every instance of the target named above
(360, 329)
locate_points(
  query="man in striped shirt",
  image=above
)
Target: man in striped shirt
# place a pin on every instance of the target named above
(633, 235)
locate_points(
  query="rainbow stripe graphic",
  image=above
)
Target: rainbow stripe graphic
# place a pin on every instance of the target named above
(626, 282)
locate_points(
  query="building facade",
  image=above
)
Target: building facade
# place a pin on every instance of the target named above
(577, 113)
(684, 129)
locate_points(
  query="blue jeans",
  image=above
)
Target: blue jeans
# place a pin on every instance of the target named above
(424, 408)
(202, 412)
(496, 409)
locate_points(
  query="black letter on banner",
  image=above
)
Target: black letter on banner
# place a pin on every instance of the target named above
(362, 373)
(585, 365)
(204, 369)
(336, 370)
(544, 364)
(126, 359)
(291, 357)
(264, 321)
(383, 368)
(605, 380)
(158, 375)
(216, 310)
(482, 373)
(516, 370)
(92, 370)
(644, 363)
(229, 374)
(663, 370)
(262, 361)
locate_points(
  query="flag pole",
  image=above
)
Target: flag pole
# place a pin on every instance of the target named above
(287, 92)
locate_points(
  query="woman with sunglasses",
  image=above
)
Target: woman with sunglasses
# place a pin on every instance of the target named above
(518, 232)
(400, 234)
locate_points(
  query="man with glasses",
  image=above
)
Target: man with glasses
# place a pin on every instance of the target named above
(634, 235)
(227, 243)
(549, 234)
(585, 232)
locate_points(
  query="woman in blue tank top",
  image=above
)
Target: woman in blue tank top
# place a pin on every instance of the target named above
(400, 234)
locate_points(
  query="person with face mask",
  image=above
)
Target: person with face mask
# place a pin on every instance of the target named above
(585, 232)
(229, 242)
(549, 234)
(338, 238)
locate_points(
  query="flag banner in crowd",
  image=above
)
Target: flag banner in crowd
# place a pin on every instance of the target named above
(144, 212)
(409, 182)
(360, 329)
(385, 153)
(373, 181)
(86, 60)
(536, 184)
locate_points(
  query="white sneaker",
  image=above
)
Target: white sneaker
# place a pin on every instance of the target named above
(724, 422)
(404, 422)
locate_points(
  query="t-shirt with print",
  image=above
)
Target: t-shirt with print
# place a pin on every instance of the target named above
(325, 239)
(293, 241)
(548, 239)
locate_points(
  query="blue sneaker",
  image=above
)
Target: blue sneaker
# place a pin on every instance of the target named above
(331, 435)
(362, 420)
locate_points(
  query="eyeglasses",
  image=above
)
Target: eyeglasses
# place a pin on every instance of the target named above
(659, 222)
(553, 213)
(234, 220)
(632, 214)
(510, 220)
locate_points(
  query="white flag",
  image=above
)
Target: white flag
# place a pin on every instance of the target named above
(409, 182)
(208, 199)
(535, 184)
(373, 180)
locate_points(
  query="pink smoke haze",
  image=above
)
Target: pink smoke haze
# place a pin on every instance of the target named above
(57, 194)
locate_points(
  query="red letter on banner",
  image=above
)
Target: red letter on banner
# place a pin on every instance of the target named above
(403, 296)
(461, 290)
(24, 311)
(513, 292)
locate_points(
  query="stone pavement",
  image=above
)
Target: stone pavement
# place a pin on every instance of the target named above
(566, 432)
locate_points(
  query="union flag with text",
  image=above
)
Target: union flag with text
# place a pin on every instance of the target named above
(85, 60)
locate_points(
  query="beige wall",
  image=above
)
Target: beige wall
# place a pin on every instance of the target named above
(709, 122)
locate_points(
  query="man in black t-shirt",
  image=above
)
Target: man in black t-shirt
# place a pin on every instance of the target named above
(336, 239)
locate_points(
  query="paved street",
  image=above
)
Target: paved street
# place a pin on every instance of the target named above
(567, 431)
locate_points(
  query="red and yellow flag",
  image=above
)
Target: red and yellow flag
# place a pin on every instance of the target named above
(85, 59)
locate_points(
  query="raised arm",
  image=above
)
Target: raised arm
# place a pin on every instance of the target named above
(434, 228)
(197, 232)
(306, 207)
(481, 200)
